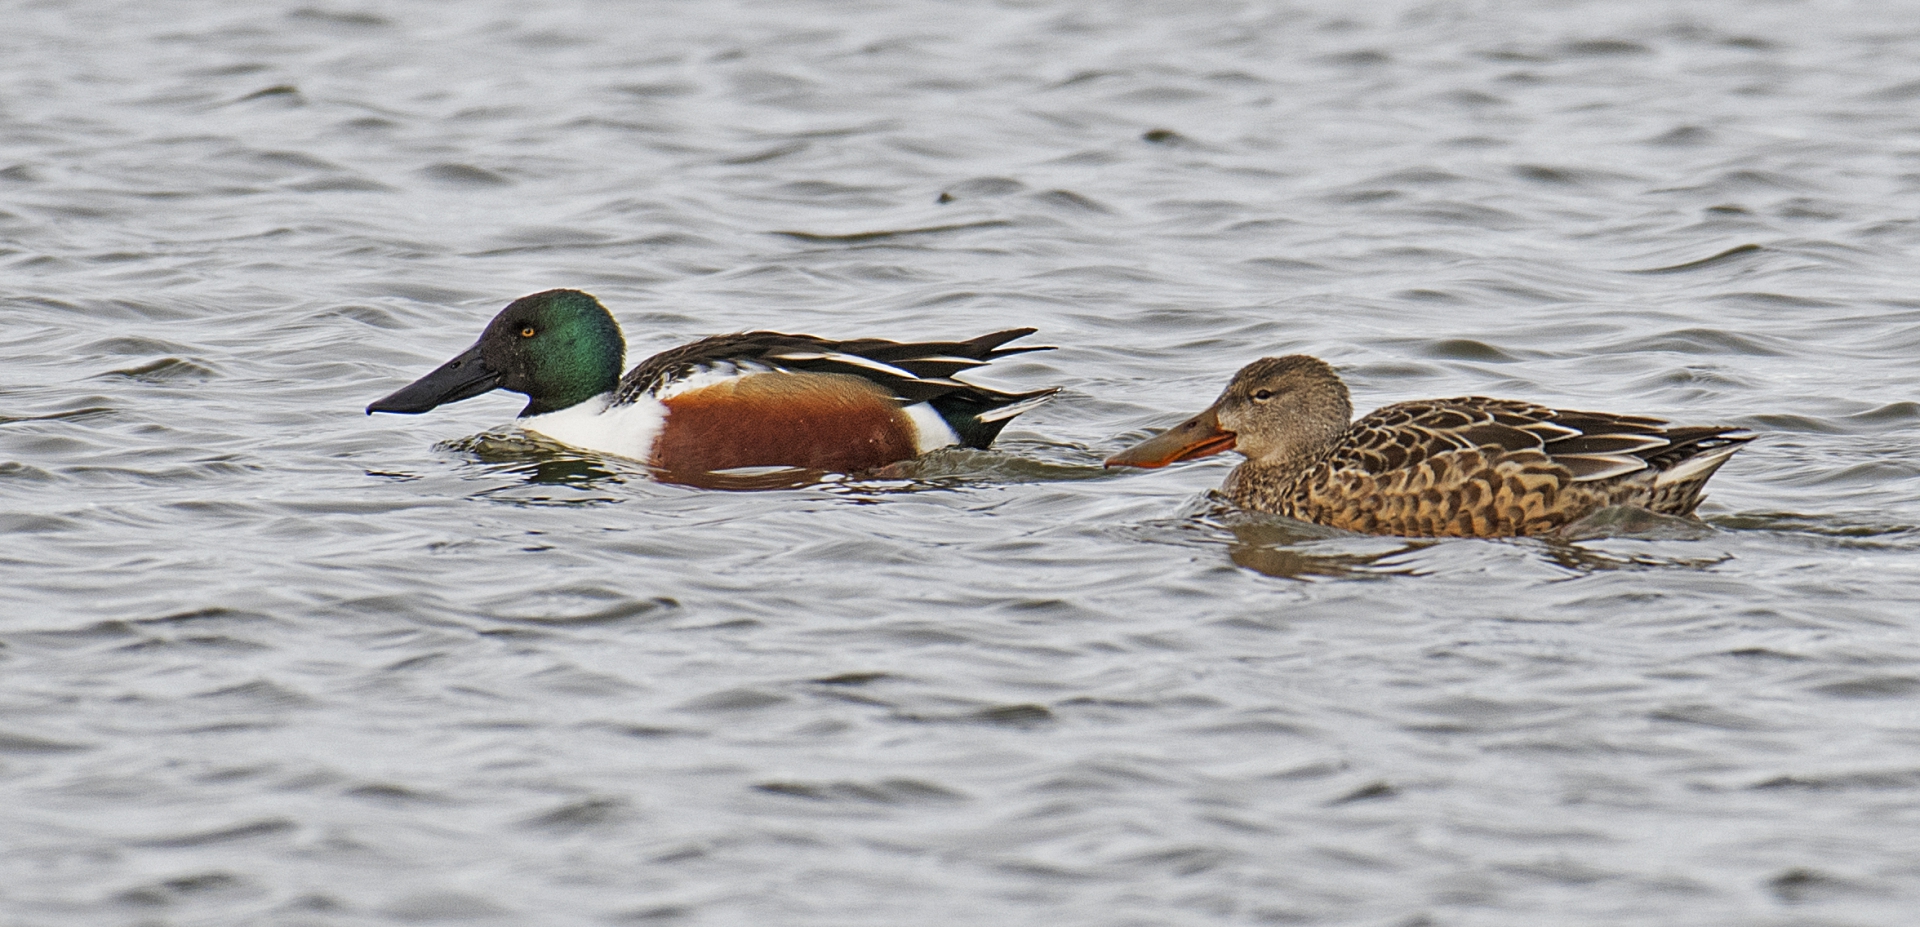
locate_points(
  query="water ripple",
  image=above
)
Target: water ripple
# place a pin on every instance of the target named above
(271, 659)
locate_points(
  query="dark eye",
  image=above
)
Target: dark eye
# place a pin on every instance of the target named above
(526, 332)
(1262, 395)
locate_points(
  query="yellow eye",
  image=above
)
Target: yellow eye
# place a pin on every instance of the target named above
(527, 332)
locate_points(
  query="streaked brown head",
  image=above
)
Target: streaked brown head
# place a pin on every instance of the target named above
(1276, 409)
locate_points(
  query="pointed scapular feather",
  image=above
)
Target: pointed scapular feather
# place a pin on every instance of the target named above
(1589, 468)
(912, 371)
(853, 360)
(1622, 443)
(1604, 423)
(1548, 431)
(1505, 437)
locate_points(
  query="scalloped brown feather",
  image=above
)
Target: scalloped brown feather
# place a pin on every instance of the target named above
(1479, 467)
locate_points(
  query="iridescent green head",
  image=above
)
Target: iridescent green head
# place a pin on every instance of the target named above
(559, 348)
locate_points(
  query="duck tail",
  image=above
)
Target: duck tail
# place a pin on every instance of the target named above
(1696, 454)
(988, 347)
(977, 415)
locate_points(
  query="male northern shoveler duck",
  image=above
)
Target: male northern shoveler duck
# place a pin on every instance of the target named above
(752, 399)
(1466, 467)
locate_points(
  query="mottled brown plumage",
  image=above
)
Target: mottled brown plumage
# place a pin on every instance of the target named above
(1464, 467)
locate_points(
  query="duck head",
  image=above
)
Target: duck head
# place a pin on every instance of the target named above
(559, 348)
(1276, 409)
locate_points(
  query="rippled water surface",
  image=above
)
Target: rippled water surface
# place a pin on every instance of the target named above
(267, 660)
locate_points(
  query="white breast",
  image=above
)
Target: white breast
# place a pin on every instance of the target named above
(624, 430)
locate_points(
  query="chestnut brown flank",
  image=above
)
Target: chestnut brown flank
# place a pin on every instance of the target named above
(816, 421)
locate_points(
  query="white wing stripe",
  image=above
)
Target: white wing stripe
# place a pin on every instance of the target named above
(854, 360)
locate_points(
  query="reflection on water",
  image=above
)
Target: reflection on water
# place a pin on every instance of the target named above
(1631, 553)
(1615, 538)
(1865, 531)
(1278, 546)
(1625, 521)
(1007, 462)
(1289, 549)
(541, 460)
(575, 471)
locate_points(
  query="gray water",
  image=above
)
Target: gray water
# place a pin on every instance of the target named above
(266, 660)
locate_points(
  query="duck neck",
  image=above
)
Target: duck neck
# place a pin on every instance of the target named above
(566, 398)
(582, 362)
(1265, 483)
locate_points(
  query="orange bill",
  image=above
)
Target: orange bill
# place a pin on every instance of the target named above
(1198, 436)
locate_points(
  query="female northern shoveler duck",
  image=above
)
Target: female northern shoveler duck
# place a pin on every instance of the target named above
(1467, 467)
(753, 399)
